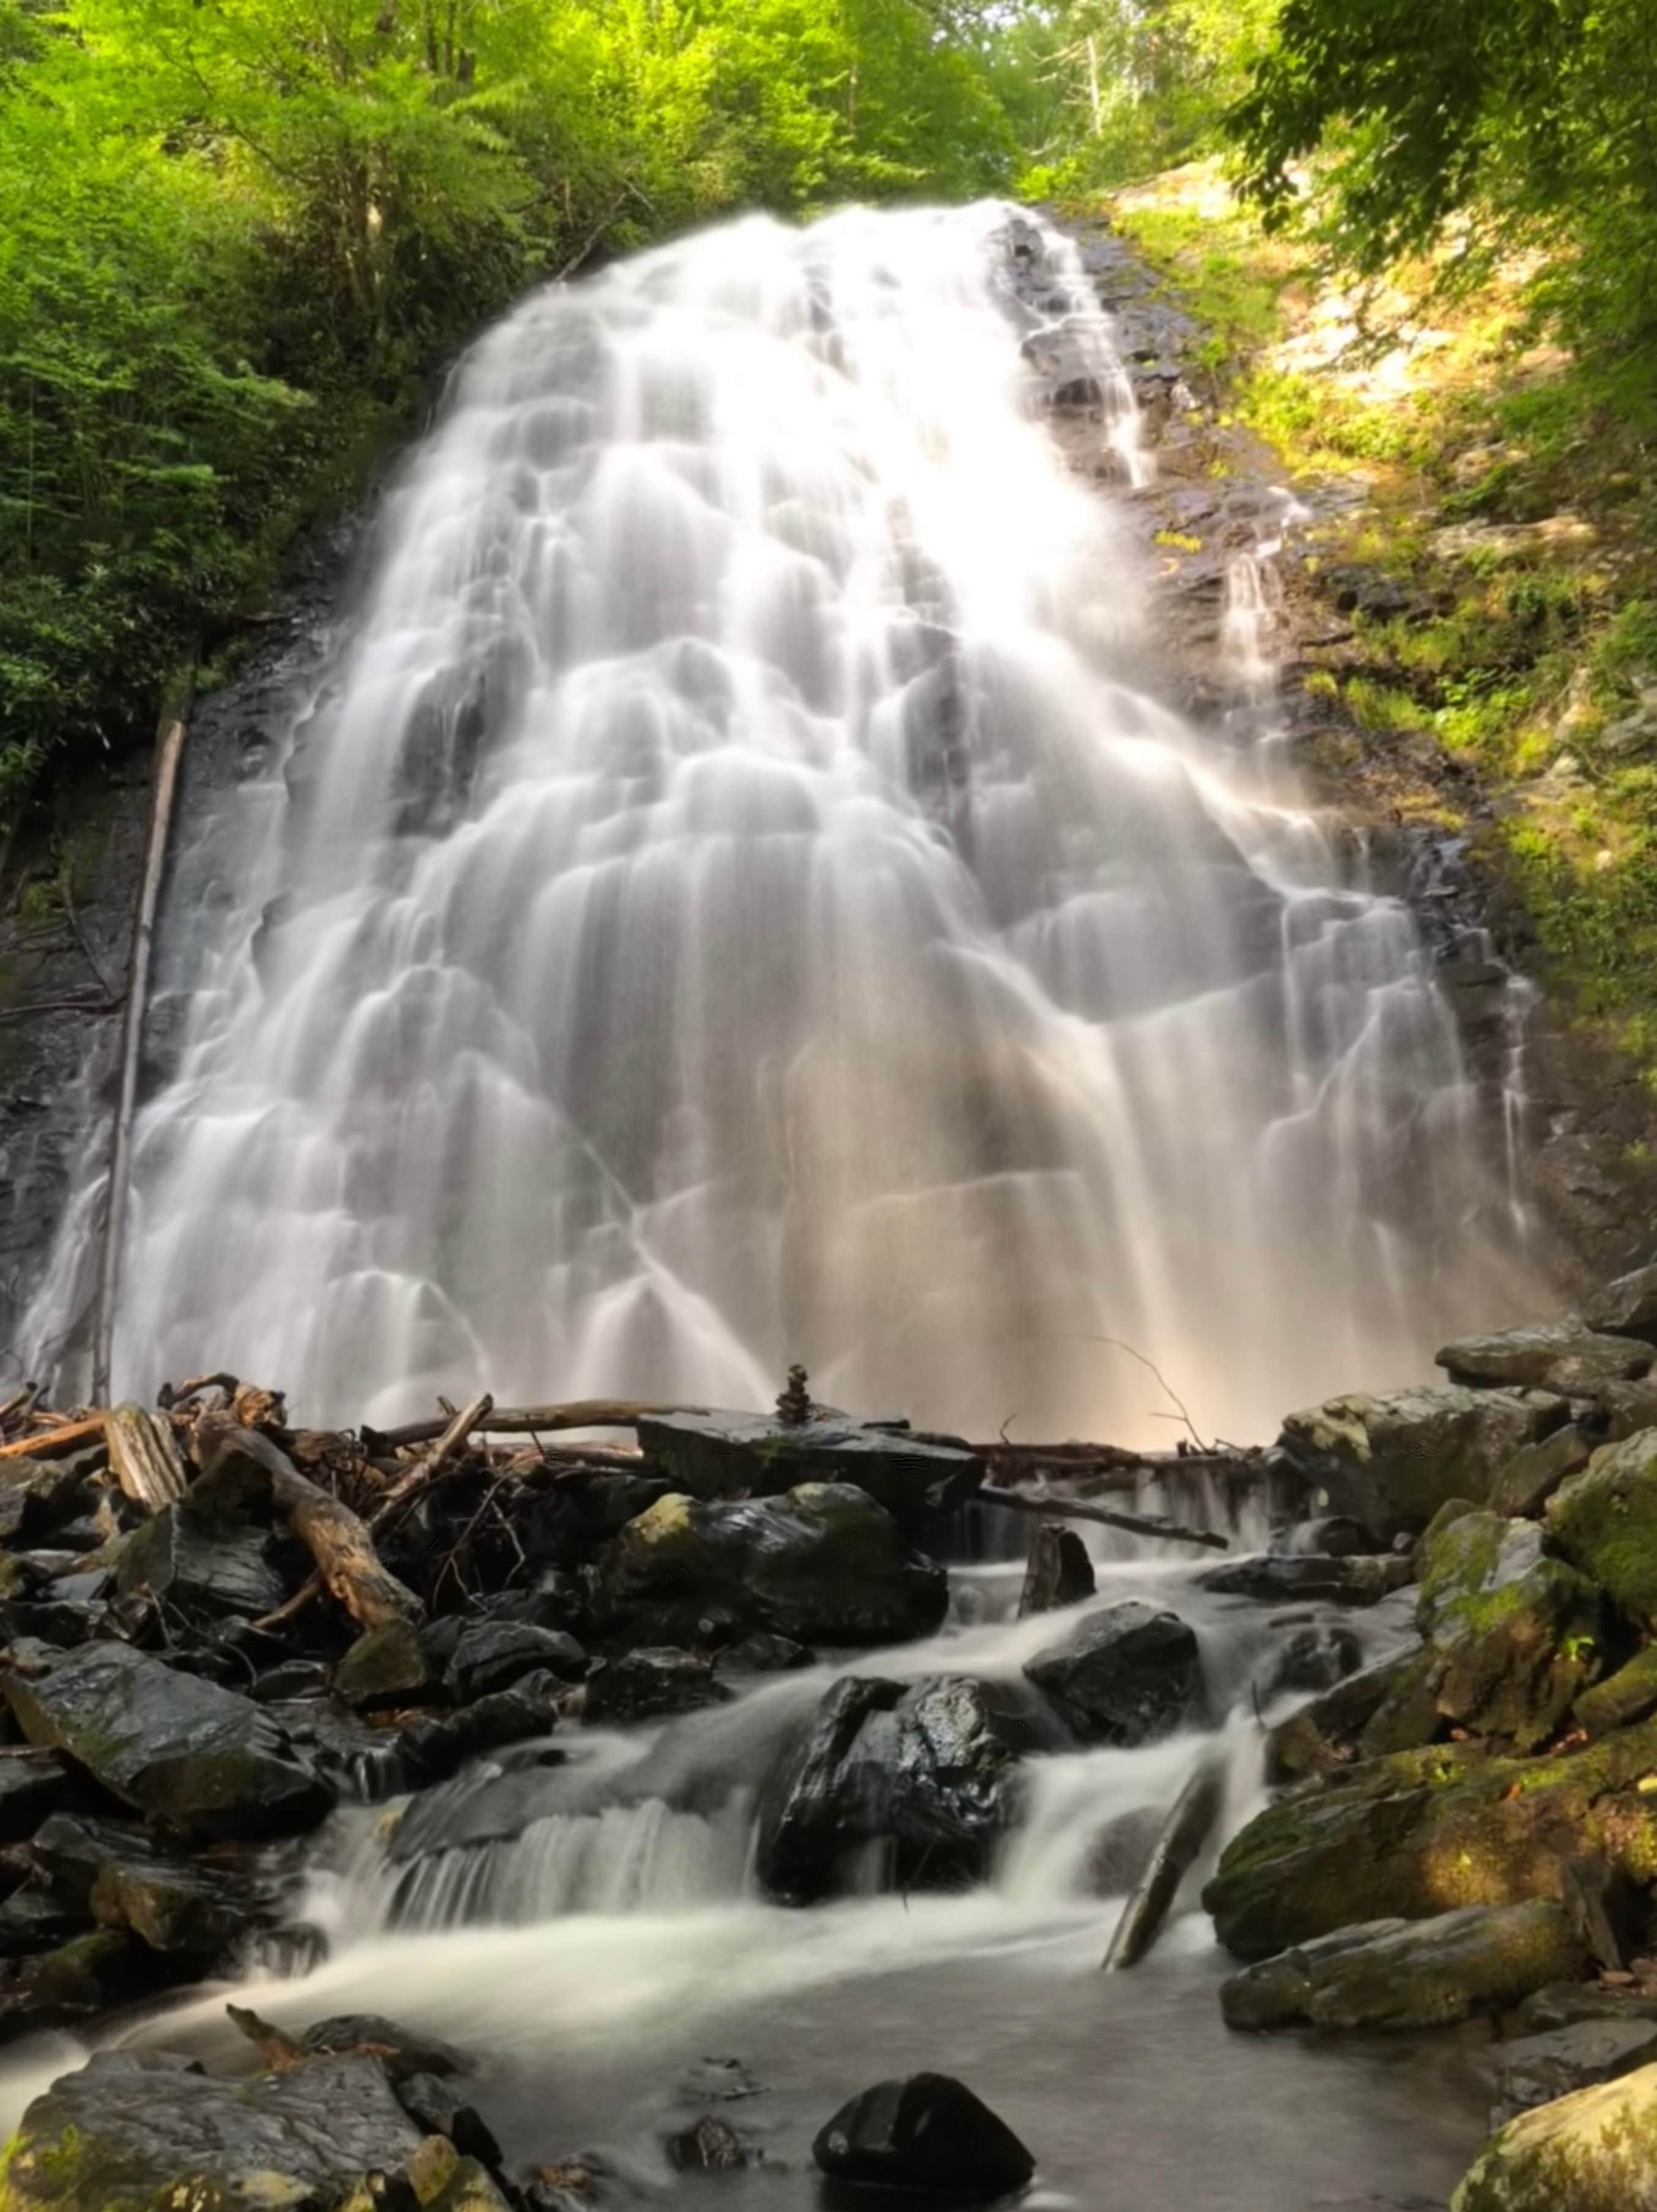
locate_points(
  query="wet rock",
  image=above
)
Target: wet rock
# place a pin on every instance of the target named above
(1059, 1571)
(650, 1685)
(1627, 1307)
(1126, 1674)
(187, 1754)
(723, 1455)
(1335, 1536)
(440, 2180)
(386, 1666)
(402, 2051)
(1627, 1696)
(1315, 1658)
(1530, 1478)
(1529, 1357)
(823, 1564)
(764, 1655)
(1409, 1974)
(1624, 1408)
(1512, 1636)
(37, 1496)
(494, 1654)
(1560, 2004)
(432, 1750)
(1423, 1832)
(439, 2109)
(1595, 2151)
(89, 1975)
(290, 1679)
(173, 1905)
(35, 1920)
(1604, 1521)
(926, 1772)
(1275, 1579)
(1392, 1461)
(148, 2130)
(712, 2146)
(201, 1565)
(34, 1785)
(928, 2133)
(1536, 2068)
(1605, 1908)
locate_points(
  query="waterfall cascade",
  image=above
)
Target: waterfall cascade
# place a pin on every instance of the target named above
(738, 897)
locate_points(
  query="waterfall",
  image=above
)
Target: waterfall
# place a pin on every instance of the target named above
(737, 896)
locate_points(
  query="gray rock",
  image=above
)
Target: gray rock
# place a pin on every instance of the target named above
(1315, 1658)
(1335, 1536)
(1530, 1478)
(723, 1455)
(1059, 1571)
(1392, 1461)
(928, 2133)
(34, 1785)
(148, 2129)
(386, 1666)
(824, 1564)
(1561, 2004)
(1532, 1356)
(1536, 2068)
(37, 1496)
(34, 1919)
(1327, 1732)
(713, 2146)
(1277, 1579)
(204, 1567)
(649, 1685)
(441, 2109)
(926, 1772)
(765, 1654)
(1627, 1307)
(493, 1655)
(1409, 1974)
(1126, 1673)
(402, 2051)
(187, 1754)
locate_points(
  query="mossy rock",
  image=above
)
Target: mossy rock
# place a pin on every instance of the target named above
(1410, 1973)
(1595, 2151)
(1627, 1696)
(1533, 1474)
(1394, 1461)
(1604, 1521)
(1535, 1356)
(1427, 1830)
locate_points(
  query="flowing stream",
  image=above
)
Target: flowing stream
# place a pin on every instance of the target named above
(739, 895)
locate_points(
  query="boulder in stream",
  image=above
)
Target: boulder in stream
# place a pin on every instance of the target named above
(185, 1753)
(925, 1771)
(823, 1564)
(1393, 1460)
(649, 1686)
(1059, 1572)
(1123, 1675)
(723, 1456)
(929, 2133)
(1594, 2151)
(1409, 1974)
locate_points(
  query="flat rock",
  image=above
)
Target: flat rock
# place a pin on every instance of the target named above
(1534, 1356)
(1534, 2070)
(1277, 1578)
(492, 1654)
(1627, 1307)
(185, 1752)
(149, 2131)
(1123, 1675)
(1409, 1974)
(927, 2133)
(1391, 1461)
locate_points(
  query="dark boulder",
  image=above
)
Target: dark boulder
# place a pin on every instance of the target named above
(649, 1686)
(1534, 2070)
(149, 2130)
(1530, 1478)
(402, 2051)
(81, 1978)
(441, 2110)
(201, 1565)
(1409, 1974)
(37, 1496)
(1313, 1658)
(926, 1772)
(185, 1752)
(824, 1564)
(124, 1879)
(1627, 1307)
(1335, 1536)
(1278, 1579)
(34, 1785)
(386, 1666)
(722, 1455)
(929, 2133)
(1059, 1571)
(493, 1655)
(34, 1919)
(1124, 1674)
(763, 1654)
(1392, 1461)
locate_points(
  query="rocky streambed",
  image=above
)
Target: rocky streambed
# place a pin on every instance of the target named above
(494, 1781)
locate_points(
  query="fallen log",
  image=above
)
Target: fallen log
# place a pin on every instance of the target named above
(1081, 1508)
(55, 1443)
(144, 1456)
(348, 1567)
(530, 1420)
(1184, 1832)
(453, 1434)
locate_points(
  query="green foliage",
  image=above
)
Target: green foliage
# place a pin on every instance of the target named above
(237, 237)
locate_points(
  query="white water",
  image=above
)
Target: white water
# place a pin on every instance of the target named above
(738, 897)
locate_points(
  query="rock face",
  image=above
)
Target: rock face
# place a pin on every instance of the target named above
(1593, 2152)
(1512, 1636)
(722, 1455)
(825, 1564)
(1604, 1521)
(1627, 1307)
(928, 2133)
(148, 2132)
(1410, 1973)
(1392, 1461)
(1423, 1832)
(1125, 1674)
(928, 1771)
(1546, 1355)
(188, 1754)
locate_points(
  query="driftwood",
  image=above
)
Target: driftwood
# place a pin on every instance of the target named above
(169, 753)
(1112, 1466)
(144, 1456)
(532, 1421)
(452, 1436)
(348, 1567)
(56, 1444)
(1081, 1508)
(1183, 1833)
(276, 2048)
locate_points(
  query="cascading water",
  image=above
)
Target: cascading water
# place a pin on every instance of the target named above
(738, 897)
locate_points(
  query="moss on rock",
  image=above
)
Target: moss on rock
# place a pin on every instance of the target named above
(1604, 1521)
(1595, 2151)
